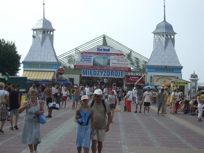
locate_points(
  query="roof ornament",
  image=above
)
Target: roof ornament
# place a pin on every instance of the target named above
(43, 8)
(164, 11)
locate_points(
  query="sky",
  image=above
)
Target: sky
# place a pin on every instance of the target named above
(130, 22)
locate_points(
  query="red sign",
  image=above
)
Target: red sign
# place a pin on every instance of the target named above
(133, 79)
(60, 71)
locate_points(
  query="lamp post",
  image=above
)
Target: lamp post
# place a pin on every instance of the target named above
(150, 80)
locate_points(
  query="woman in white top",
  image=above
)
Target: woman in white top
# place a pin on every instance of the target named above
(200, 107)
(65, 95)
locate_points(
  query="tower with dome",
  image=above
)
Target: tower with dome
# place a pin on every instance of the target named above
(194, 84)
(163, 65)
(41, 62)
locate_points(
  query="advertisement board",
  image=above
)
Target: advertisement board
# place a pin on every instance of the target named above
(103, 58)
(102, 73)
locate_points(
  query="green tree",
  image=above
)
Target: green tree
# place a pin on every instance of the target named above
(9, 58)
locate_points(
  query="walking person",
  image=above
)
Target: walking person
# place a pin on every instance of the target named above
(65, 96)
(160, 100)
(3, 105)
(57, 95)
(129, 100)
(200, 107)
(173, 99)
(85, 127)
(102, 119)
(31, 130)
(49, 98)
(14, 104)
(177, 101)
(111, 100)
(166, 93)
(154, 96)
(147, 100)
(139, 96)
(74, 96)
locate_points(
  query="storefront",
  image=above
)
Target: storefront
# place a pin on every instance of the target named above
(102, 65)
(132, 77)
(181, 85)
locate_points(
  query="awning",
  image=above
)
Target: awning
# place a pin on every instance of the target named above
(38, 75)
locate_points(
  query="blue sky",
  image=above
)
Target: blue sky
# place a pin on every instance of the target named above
(130, 22)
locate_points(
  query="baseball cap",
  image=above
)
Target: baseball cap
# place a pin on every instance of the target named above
(98, 92)
(84, 97)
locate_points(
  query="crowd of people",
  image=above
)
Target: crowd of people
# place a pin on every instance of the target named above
(94, 108)
(176, 100)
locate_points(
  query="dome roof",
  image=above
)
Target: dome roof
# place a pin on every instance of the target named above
(164, 27)
(194, 75)
(43, 24)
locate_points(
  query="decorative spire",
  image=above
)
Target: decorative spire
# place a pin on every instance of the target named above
(43, 9)
(104, 41)
(164, 11)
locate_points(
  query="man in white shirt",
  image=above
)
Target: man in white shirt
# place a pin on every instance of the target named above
(87, 89)
(134, 92)
(129, 100)
(147, 100)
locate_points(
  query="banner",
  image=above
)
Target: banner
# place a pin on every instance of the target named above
(103, 73)
(102, 58)
(133, 79)
(161, 80)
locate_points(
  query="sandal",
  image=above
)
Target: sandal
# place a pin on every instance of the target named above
(16, 127)
(1, 131)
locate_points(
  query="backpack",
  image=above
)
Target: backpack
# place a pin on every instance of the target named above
(103, 102)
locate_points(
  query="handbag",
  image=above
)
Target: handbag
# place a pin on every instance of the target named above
(53, 105)
(42, 119)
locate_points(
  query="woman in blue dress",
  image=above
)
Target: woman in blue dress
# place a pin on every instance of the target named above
(31, 130)
(85, 126)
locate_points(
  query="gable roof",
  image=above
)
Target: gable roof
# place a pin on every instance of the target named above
(164, 54)
(103, 40)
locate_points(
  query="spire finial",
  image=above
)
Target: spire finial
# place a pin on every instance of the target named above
(164, 11)
(43, 8)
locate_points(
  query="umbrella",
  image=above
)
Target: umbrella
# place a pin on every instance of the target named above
(159, 87)
(65, 82)
(44, 82)
(151, 87)
(29, 82)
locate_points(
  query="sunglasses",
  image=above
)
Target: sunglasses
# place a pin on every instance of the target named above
(97, 96)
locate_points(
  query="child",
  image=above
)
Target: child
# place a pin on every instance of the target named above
(65, 94)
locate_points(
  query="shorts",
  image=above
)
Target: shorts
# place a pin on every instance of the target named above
(99, 136)
(48, 100)
(64, 98)
(146, 103)
(14, 112)
(112, 106)
(139, 102)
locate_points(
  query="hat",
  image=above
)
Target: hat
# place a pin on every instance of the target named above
(84, 97)
(175, 88)
(112, 92)
(98, 92)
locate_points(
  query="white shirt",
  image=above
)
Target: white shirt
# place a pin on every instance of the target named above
(147, 96)
(177, 96)
(134, 92)
(129, 95)
(87, 91)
